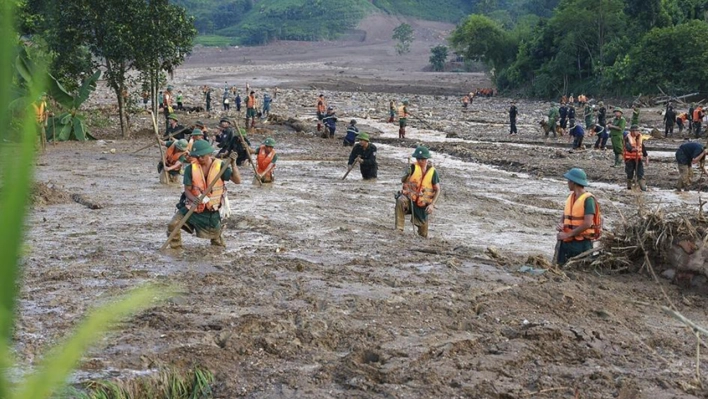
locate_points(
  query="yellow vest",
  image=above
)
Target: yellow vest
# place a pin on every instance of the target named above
(574, 216)
(199, 185)
(419, 188)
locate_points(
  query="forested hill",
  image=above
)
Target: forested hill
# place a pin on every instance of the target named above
(223, 22)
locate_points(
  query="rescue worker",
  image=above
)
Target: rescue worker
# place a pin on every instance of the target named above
(180, 103)
(420, 192)
(198, 175)
(578, 134)
(513, 112)
(225, 100)
(602, 114)
(635, 114)
(177, 131)
(563, 114)
(690, 152)
(402, 119)
(330, 122)
(265, 162)
(681, 121)
(321, 109)
(224, 138)
(365, 153)
(207, 97)
(602, 136)
(167, 105)
(175, 157)
(202, 127)
(352, 132)
(571, 111)
(251, 109)
(690, 117)
(634, 153)
(669, 120)
(589, 117)
(391, 111)
(553, 115)
(581, 222)
(237, 100)
(616, 127)
(266, 104)
(698, 115)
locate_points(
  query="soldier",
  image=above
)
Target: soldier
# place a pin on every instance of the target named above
(174, 128)
(616, 127)
(198, 175)
(553, 115)
(265, 162)
(421, 190)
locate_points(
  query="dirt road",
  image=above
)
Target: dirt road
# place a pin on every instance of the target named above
(317, 296)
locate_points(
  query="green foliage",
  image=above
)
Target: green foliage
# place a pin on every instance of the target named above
(441, 10)
(70, 125)
(168, 384)
(403, 35)
(483, 39)
(215, 41)
(16, 168)
(438, 56)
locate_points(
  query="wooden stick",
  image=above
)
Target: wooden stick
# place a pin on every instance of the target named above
(250, 160)
(162, 153)
(196, 203)
(351, 167)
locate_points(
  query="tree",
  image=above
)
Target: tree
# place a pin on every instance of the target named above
(403, 34)
(156, 36)
(438, 56)
(482, 39)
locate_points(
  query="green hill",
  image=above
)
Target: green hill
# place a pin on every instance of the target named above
(248, 22)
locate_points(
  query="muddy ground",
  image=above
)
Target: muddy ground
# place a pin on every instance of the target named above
(317, 296)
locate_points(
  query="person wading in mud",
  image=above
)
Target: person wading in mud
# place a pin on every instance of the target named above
(365, 152)
(265, 162)
(689, 153)
(330, 122)
(352, 132)
(581, 220)
(206, 219)
(616, 127)
(635, 156)
(321, 109)
(402, 119)
(175, 157)
(420, 192)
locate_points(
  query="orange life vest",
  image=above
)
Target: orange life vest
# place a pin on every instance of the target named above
(263, 161)
(574, 216)
(683, 117)
(250, 101)
(321, 106)
(199, 185)
(173, 154)
(698, 114)
(636, 144)
(402, 112)
(420, 188)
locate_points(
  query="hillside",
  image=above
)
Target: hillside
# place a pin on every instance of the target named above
(248, 22)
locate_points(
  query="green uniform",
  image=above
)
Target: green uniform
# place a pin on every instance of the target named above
(553, 116)
(635, 117)
(589, 119)
(567, 250)
(207, 224)
(616, 134)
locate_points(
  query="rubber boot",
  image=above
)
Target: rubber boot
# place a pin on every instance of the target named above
(629, 184)
(176, 241)
(401, 202)
(319, 126)
(643, 184)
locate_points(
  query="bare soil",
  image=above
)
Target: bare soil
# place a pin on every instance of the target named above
(316, 295)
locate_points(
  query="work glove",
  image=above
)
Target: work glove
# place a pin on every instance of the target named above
(205, 200)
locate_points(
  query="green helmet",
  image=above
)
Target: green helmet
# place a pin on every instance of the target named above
(269, 142)
(634, 127)
(199, 123)
(173, 117)
(201, 148)
(181, 144)
(618, 109)
(421, 152)
(225, 120)
(577, 176)
(363, 136)
(197, 132)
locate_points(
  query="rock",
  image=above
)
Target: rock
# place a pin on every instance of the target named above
(668, 274)
(113, 150)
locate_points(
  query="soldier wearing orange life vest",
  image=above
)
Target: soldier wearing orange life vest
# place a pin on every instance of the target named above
(174, 158)
(581, 222)
(265, 162)
(635, 157)
(421, 189)
(198, 175)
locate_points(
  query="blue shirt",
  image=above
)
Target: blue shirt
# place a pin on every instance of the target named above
(577, 131)
(688, 151)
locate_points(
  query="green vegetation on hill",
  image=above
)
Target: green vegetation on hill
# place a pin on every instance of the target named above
(441, 10)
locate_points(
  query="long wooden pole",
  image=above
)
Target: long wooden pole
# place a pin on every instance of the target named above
(162, 153)
(356, 161)
(196, 203)
(248, 150)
